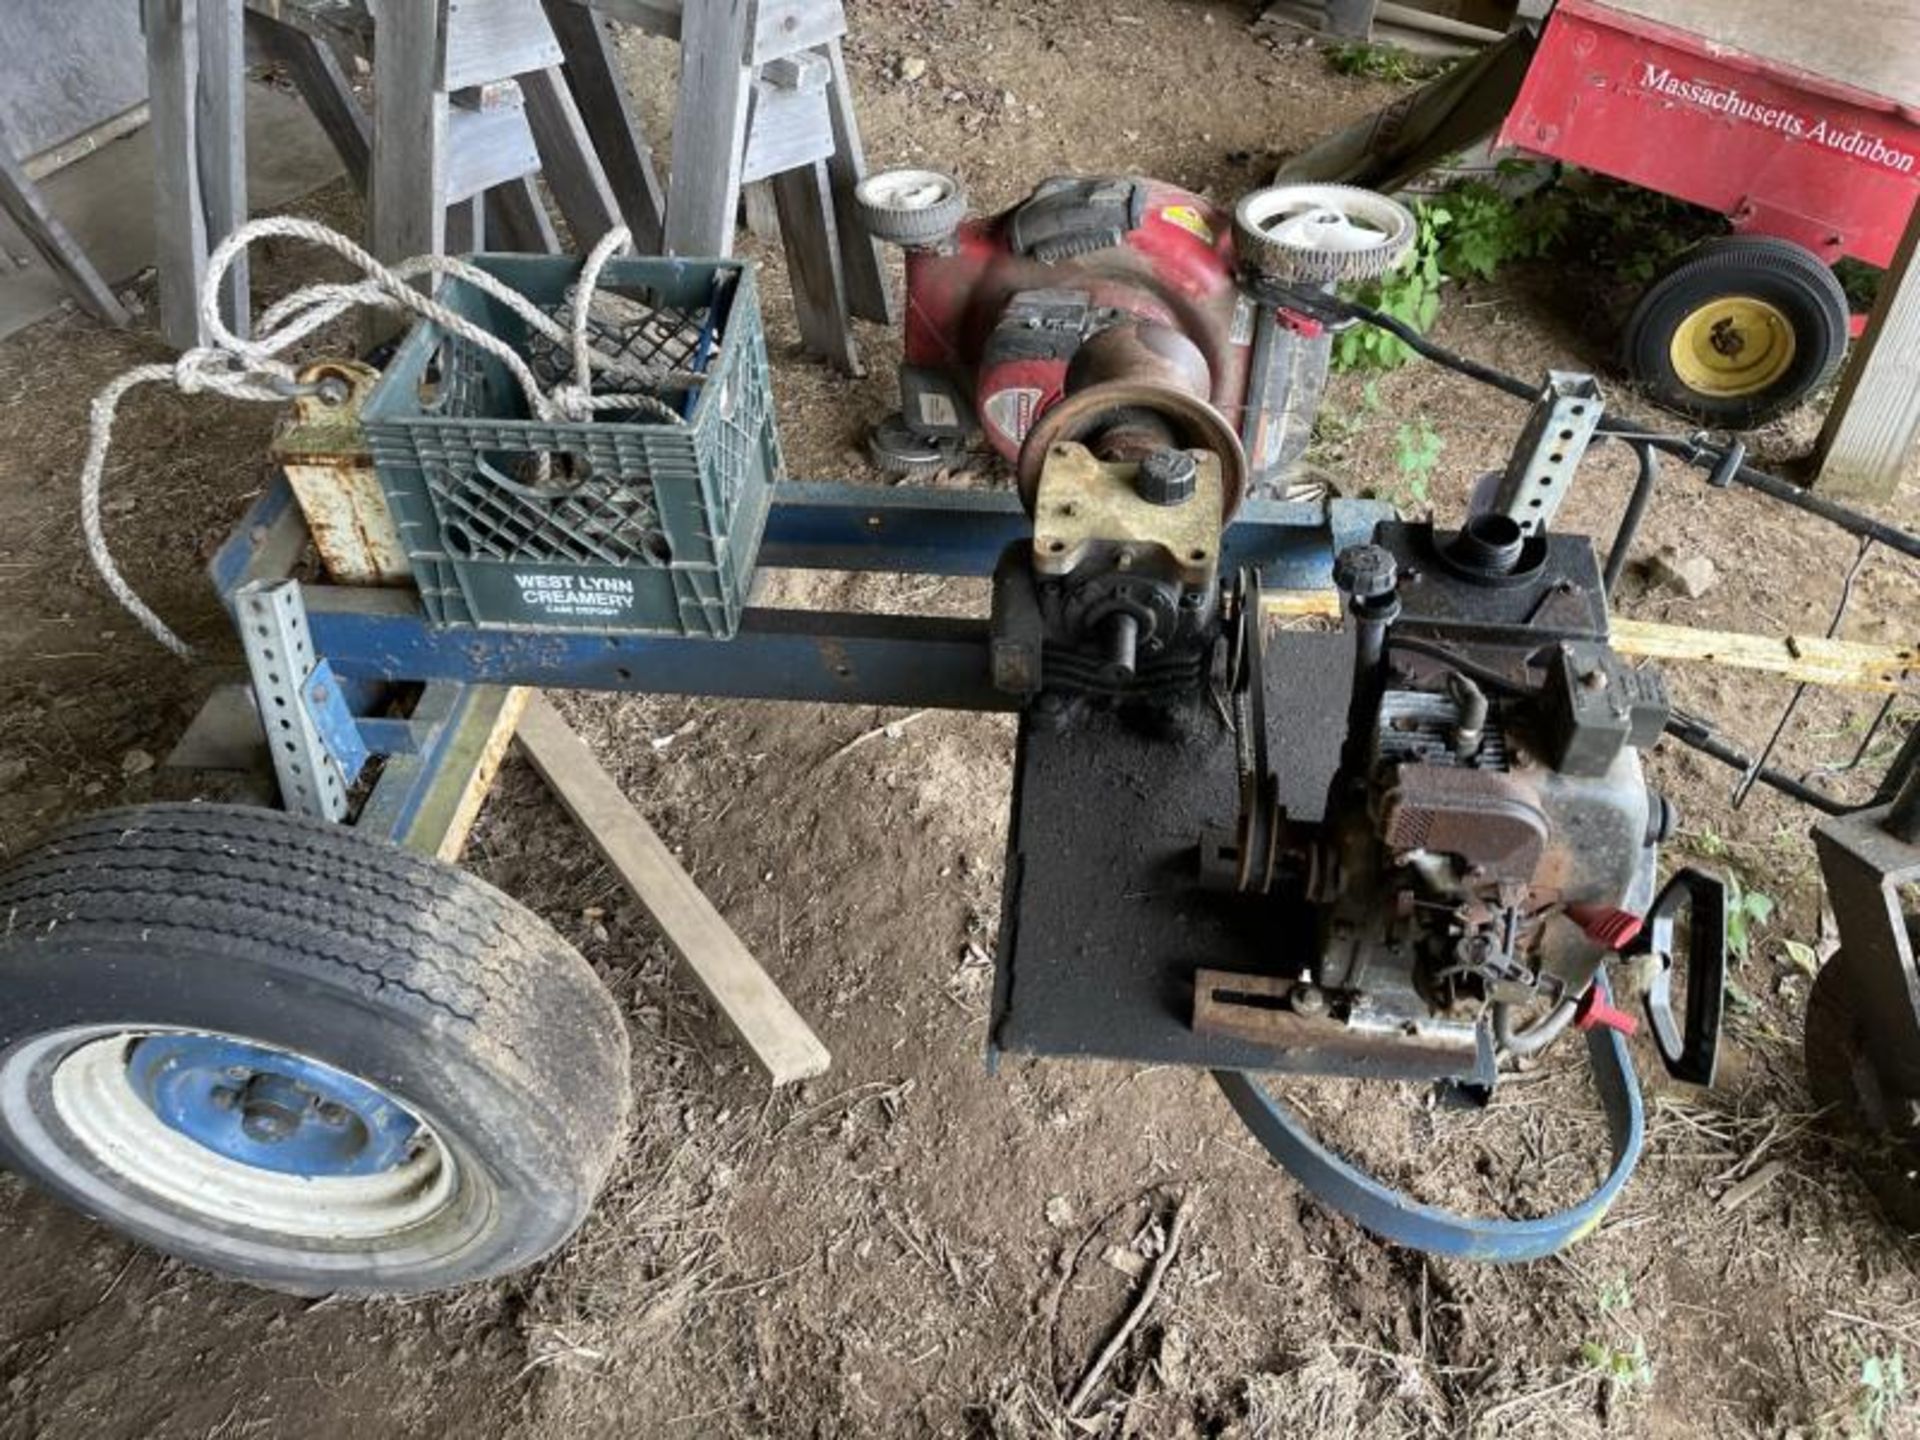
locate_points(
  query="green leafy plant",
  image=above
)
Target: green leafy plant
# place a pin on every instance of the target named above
(1747, 911)
(1803, 956)
(1615, 1295)
(1383, 62)
(1410, 293)
(1882, 1390)
(1489, 228)
(1474, 228)
(1623, 1367)
(1416, 450)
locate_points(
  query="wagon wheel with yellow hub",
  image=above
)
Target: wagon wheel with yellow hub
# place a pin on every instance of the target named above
(1738, 330)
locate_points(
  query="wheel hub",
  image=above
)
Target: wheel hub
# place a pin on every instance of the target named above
(1732, 346)
(268, 1108)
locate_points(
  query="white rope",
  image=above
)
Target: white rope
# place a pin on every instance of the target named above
(252, 369)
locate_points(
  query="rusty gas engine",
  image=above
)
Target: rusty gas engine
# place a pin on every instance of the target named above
(1437, 881)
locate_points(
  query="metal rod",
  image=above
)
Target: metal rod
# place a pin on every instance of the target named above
(1698, 734)
(1630, 518)
(1745, 787)
(1689, 451)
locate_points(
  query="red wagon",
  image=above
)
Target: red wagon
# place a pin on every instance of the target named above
(1798, 121)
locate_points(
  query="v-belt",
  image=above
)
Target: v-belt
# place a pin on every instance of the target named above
(1376, 1206)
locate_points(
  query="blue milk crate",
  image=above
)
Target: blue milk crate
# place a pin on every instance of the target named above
(636, 526)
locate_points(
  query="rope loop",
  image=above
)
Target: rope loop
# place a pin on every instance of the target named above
(243, 368)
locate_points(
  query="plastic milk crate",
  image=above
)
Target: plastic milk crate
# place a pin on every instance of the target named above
(632, 524)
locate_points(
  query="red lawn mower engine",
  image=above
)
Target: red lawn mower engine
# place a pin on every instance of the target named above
(1110, 338)
(1117, 312)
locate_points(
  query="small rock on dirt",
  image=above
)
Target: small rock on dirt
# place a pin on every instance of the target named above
(1059, 1212)
(1688, 575)
(1125, 1261)
(136, 762)
(910, 68)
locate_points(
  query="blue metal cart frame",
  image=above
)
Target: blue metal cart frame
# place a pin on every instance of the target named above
(354, 644)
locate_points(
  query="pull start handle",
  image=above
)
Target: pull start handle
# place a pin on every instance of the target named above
(1692, 1056)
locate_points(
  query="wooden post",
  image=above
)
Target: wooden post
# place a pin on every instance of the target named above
(593, 74)
(710, 127)
(466, 225)
(179, 221)
(317, 75)
(27, 208)
(1870, 432)
(863, 269)
(220, 144)
(410, 130)
(567, 158)
(804, 197)
(518, 217)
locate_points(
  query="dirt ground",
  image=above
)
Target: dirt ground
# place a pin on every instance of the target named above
(911, 1245)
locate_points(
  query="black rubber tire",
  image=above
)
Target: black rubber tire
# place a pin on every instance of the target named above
(910, 226)
(1794, 280)
(398, 969)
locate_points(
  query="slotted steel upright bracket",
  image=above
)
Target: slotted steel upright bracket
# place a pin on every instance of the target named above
(1540, 473)
(273, 628)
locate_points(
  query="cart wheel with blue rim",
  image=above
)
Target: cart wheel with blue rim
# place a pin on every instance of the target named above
(297, 1055)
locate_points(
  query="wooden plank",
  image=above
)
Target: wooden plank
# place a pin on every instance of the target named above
(710, 128)
(316, 74)
(656, 17)
(745, 994)
(491, 39)
(346, 24)
(1869, 435)
(785, 27)
(567, 159)
(408, 202)
(71, 66)
(593, 75)
(28, 209)
(1843, 664)
(786, 129)
(179, 221)
(804, 199)
(220, 144)
(1298, 604)
(517, 219)
(467, 225)
(486, 148)
(420, 808)
(483, 718)
(757, 210)
(861, 259)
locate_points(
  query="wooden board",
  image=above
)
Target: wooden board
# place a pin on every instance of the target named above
(1871, 45)
(709, 129)
(1843, 664)
(1869, 437)
(65, 67)
(765, 1020)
